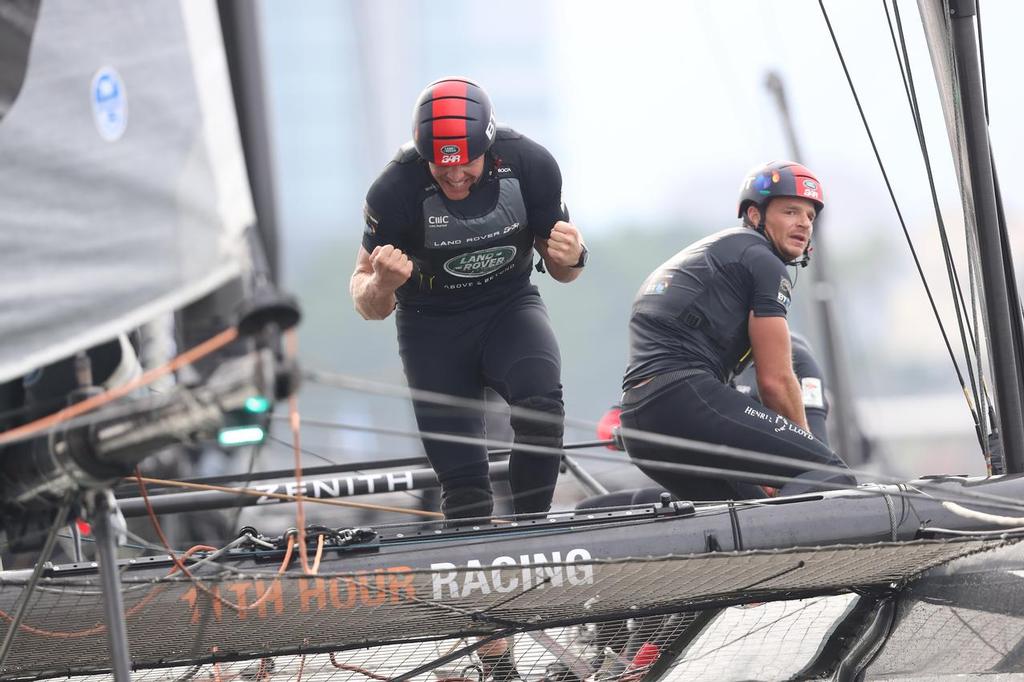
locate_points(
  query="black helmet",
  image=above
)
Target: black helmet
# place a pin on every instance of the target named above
(779, 179)
(452, 122)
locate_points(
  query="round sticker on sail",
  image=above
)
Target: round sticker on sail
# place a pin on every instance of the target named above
(109, 103)
(480, 263)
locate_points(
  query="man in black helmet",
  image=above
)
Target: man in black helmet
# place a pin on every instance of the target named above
(704, 315)
(451, 227)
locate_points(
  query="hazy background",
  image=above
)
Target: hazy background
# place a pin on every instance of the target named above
(655, 111)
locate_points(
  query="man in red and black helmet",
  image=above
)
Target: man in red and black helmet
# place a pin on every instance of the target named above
(451, 227)
(700, 319)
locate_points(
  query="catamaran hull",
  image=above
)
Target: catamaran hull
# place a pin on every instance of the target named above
(428, 582)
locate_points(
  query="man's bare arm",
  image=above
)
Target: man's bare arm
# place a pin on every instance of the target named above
(376, 278)
(773, 356)
(561, 250)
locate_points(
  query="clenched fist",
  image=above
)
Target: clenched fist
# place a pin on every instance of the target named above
(391, 267)
(564, 244)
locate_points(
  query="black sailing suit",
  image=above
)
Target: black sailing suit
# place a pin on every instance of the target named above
(469, 318)
(688, 330)
(814, 390)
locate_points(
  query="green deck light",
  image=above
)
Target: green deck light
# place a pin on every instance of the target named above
(240, 435)
(257, 404)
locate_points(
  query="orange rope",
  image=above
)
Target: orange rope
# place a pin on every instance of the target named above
(356, 669)
(319, 553)
(101, 627)
(184, 569)
(295, 422)
(203, 349)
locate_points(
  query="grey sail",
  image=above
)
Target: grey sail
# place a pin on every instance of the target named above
(123, 192)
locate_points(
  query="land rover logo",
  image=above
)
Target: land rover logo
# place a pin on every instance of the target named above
(810, 184)
(480, 263)
(450, 149)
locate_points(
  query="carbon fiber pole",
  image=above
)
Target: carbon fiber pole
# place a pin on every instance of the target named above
(104, 521)
(319, 488)
(1006, 363)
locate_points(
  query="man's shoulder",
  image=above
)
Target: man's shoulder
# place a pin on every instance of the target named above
(516, 149)
(741, 243)
(731, 242)
(404, 178)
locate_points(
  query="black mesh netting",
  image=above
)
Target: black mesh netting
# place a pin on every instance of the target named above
(171, 620)
(968, 620)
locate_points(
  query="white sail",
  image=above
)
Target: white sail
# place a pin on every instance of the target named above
(123, 192)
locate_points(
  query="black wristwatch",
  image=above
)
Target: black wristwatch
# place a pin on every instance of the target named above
(582, 262)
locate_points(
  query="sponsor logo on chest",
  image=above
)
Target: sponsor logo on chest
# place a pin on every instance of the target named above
(480, 263)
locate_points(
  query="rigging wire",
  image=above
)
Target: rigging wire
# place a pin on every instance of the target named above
(959, 304)
(650, 437)
(247, 481)
(899, 213)
(179, 562)
(361, 472)
(284, 496)
(981, 54)
(925, 490)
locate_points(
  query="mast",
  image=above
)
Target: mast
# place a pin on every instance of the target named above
(954, 51)
(242, 32)
(849, 436)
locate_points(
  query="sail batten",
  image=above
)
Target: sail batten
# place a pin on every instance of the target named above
(123, 192)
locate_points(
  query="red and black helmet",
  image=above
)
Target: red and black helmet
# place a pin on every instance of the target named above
(779, 179)
(452, 122)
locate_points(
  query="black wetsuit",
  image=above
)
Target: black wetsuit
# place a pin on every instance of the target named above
(812, 385)
(469, 318)
(688, 340)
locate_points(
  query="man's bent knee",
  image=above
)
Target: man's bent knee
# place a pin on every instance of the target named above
(539, 420)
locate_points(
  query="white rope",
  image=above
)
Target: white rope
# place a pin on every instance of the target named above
(1011, 521)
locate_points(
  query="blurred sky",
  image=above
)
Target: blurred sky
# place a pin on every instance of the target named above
(655, 112)
(654, 109)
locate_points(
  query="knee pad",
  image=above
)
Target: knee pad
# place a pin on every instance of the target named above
(544, 425)
(467, 499)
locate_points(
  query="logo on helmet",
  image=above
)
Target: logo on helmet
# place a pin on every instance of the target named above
(810, 184)
(450, 149)
(490, 129)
